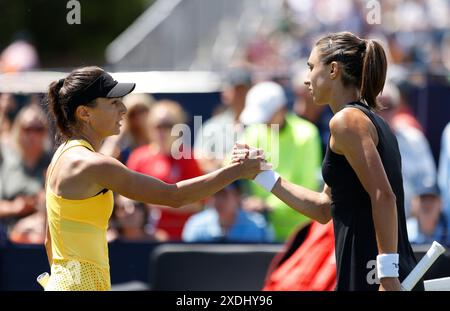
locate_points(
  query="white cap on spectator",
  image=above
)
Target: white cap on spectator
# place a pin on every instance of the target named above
(261, 103)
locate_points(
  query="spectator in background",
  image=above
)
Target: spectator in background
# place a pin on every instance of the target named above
(444, 171)
(24, 162)
(428, 223)
(10, 105)
(285, 34)
(403, 116)
(20, 55)
(218, 135)
(304, 107)
(156, 159)
(135, 131)
(225, 221)
(130, 221)
(7, 103)
(31, 229)
(418, 167)
(298, 157)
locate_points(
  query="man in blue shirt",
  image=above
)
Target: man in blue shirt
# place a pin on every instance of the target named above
(225, 221)
(444, 172)
(428, 223)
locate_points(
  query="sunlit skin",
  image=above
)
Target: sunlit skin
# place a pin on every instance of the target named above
(102, 120)
(325, 85)
(304, 105)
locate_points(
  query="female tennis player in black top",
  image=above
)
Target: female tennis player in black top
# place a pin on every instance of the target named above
(363, 191)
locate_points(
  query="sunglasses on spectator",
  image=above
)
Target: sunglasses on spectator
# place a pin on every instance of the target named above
(136, 111)
(386, 103)
(164, 125)
(34, 129)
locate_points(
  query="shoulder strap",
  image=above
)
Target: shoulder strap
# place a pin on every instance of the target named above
(364, 108)
(370, 114)
(64, 147)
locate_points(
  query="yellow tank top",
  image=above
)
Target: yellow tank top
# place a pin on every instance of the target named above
(78, 233)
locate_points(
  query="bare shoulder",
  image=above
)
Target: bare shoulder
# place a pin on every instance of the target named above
(74, 175)
(80, 161)
(351, 123)
(88, 162)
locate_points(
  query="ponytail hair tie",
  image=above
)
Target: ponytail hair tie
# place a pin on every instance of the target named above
(362, 45)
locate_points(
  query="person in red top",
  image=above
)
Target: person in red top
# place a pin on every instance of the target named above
(157, 160)
(404, 115)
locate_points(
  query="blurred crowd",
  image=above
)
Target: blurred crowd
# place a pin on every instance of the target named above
(242, 212)
(416, 33)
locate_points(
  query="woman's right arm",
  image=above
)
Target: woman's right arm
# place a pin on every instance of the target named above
(315, 205)
(109, 173)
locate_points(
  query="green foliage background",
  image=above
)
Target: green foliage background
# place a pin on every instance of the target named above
(60, 44)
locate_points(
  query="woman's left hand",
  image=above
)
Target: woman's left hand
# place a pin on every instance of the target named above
(244, 151)
(390, 284)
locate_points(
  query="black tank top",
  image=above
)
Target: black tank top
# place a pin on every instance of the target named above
(351, 209)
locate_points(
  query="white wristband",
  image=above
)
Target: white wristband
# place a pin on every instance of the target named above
(267, 179)
(387, 266)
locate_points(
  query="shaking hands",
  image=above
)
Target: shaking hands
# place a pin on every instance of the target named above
(251, 159)
(254, 163)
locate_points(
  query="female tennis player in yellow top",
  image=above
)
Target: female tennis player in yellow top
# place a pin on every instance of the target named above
(87, 108)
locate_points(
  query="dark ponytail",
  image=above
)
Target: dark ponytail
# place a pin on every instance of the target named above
(61, 103)
(363, 62)
(56, 109)
(373, 72)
